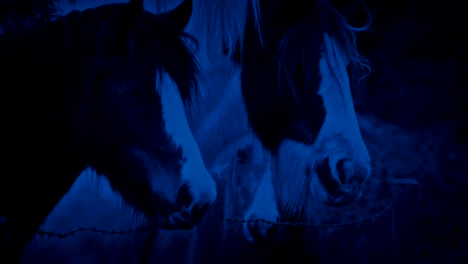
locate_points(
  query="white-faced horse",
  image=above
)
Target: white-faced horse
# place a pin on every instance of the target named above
(297, 73)
(104, 88)
(306, 110)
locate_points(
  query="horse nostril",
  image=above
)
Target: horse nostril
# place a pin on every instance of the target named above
(341, 171)
(326, 178)
(351, 172)
(197, 213)
(184, 198)
(185, 215)
(204, 209)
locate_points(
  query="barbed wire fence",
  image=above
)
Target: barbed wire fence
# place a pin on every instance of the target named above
(239, 221)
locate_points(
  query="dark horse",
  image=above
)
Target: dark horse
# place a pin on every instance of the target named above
(103, 88)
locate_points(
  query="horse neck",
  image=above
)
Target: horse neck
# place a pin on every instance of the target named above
(110, 210)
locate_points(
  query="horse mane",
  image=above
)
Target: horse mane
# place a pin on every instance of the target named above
(218, 25)
(345, 35)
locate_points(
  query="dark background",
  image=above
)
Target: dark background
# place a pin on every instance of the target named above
(419, 56)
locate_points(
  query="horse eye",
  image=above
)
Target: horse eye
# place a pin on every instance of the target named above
(126, 90)
(349, 70)
(299, 69)
(133, 92)
(242, 155)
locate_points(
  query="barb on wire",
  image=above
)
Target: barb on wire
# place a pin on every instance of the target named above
(60, 235)
(238, 220)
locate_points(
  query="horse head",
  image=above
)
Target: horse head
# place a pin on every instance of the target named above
(305, 113)
(132, 122)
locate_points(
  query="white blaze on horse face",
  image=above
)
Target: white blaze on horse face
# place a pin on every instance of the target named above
(339, 141)
(339, 138)
(193, 173)
(340, 131)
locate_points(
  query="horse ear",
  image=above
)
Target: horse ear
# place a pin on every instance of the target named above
(179, 16)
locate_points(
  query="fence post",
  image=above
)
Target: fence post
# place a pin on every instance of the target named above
(404, 213)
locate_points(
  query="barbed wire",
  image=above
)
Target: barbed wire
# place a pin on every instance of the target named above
(242, 221)
(63, 235)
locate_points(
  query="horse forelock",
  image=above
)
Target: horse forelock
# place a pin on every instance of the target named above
(344, 36)
(158, 47)
(148, 45)
(299, 44)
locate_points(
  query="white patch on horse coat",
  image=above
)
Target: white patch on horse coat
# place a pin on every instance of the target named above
(96, 195)
(220, 125)
(193, 173)
(341, 128)
(90, 203)
(219, 119)
(264, 204)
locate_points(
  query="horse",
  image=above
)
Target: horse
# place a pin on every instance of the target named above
(307, 110)
(107, 89)
(305, 114)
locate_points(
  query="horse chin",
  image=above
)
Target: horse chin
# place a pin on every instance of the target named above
(339, 202)
(175, 222)
(338, 199)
